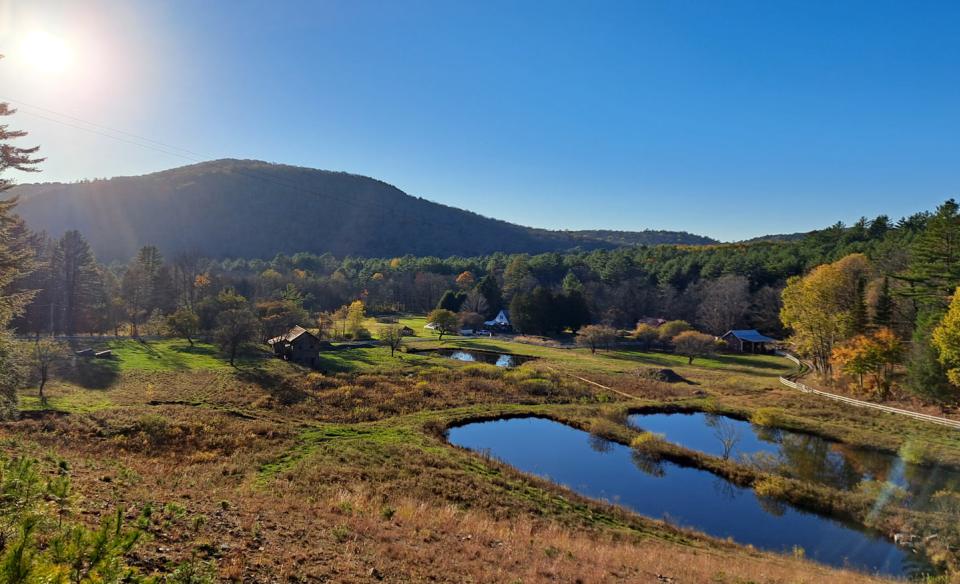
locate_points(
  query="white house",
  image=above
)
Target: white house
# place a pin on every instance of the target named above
(502, 320)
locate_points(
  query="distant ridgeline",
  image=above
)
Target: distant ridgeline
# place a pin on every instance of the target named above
(252, 209)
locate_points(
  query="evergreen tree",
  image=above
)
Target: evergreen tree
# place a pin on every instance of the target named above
(934, 271)
(16, 261)
(491, 292)
(858, 309)
(926, 375)
(571, 283)
(143, 285)
(74, 281)
(883, 314)
(576, 312)
(451, 301)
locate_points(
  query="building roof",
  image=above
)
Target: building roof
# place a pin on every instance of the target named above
(291, 335)
(503, 317)
(750, 335)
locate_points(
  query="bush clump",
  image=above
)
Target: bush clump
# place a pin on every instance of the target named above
(772, 487)
(767, 417)
(537, 386)
(649, 443)
(482, 370)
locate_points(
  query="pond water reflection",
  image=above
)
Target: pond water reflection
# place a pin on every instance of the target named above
(489, 357)
(795, 454)
(683, 496)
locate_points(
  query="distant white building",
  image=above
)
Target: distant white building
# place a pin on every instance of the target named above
(502, 320)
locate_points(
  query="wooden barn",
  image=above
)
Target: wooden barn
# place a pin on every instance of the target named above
(298, 345)
(747, 341)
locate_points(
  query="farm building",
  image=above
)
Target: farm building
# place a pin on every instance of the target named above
(299, 346)
(747, 341)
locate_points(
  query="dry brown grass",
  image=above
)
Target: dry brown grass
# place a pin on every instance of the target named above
(240, 468)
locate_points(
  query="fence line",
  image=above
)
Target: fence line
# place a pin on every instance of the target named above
(860, 403)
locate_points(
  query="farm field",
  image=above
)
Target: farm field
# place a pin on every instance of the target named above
(269, 471)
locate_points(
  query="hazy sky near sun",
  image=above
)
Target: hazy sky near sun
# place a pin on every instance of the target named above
(730, 119)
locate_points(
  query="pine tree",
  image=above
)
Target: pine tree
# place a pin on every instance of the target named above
(926, 375)
(491, 292)
(858, 310)
(571, 283)
(883, 314)
(16, 260)
(74, 282)
(934, 271)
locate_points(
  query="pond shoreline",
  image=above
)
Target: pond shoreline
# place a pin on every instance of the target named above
(815, 515)
(851, 508)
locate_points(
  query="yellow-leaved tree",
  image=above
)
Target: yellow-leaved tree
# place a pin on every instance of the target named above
(821, 308)
(946, 339)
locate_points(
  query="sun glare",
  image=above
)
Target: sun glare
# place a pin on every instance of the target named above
(46, 52)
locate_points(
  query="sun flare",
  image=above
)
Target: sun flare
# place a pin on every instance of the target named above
(46, 52)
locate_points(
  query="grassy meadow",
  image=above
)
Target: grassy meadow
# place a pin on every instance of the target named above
(269, 471)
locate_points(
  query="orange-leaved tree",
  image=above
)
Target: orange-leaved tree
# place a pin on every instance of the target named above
(875, 354)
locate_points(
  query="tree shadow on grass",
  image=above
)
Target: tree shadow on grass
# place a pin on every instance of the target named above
(277, 385)
(90, 372)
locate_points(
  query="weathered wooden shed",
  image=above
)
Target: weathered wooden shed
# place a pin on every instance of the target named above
(298, 345)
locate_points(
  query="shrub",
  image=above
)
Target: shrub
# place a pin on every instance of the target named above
(482, 370)
(915, 452)
(340, 533)
(156, 429)
(537, 386)
(648, 443)
(645, 335)
(670, 329)
(767, 417)
(773, 487)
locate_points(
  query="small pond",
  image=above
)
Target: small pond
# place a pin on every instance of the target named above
(683, 496)
(489, 357)
(799, 455)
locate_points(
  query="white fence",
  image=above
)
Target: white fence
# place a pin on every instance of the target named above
(864, 404)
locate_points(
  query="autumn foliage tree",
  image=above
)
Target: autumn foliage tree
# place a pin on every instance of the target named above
(874, 355)
(692, 344)
(596, 336)
(821, 308)
(946, 340)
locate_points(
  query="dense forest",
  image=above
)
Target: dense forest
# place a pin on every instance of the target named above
(252, 209)
(898, 276)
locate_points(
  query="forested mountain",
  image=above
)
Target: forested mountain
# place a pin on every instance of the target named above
(243, 208)
(645, 237)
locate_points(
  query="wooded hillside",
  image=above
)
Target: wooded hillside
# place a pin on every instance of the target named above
(252, 209)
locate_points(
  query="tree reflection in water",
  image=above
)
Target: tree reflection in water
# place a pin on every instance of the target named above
(888, 477)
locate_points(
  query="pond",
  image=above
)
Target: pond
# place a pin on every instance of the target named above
(799, 455)
(683, 496)
(489, 357)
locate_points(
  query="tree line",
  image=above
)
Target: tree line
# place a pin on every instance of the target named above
(888, 317)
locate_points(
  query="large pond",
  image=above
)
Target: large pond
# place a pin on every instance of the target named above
(489, 357)
(683, 496)
(799, 455)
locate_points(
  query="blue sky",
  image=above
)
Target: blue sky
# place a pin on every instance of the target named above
(730, 119)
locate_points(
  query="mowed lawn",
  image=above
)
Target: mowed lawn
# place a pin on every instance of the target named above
(166, 355)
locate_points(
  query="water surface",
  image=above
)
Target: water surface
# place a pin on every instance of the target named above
(489, 357)
(683, 496)
(799, 455)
